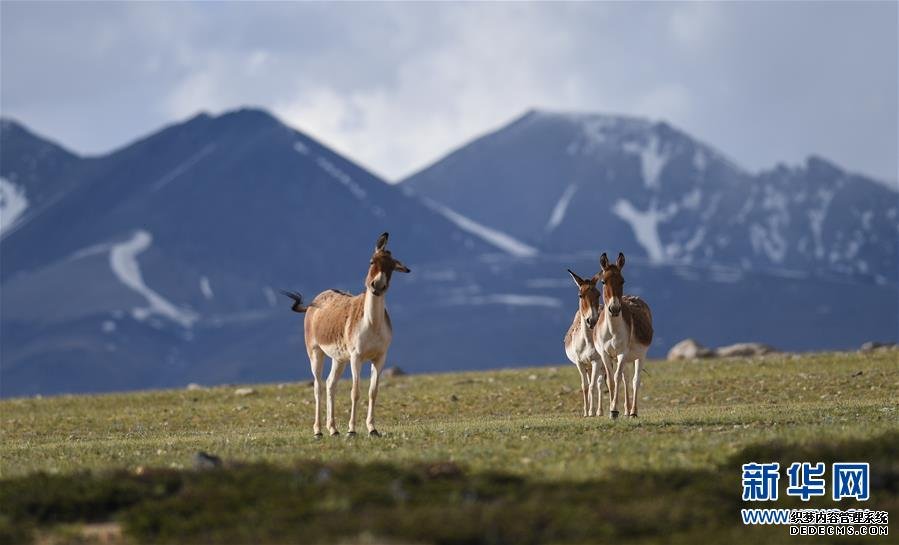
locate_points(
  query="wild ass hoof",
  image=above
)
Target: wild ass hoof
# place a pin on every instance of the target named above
(350, 434)
(633, 415)
(335, 433)
(613, 414)
(374, 433)
(318, 435)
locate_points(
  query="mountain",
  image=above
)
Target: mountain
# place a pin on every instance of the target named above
(571, 182)
(134, 263)
(157, 265)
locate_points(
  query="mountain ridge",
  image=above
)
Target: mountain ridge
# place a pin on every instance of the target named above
(665, 194)
(158, 264)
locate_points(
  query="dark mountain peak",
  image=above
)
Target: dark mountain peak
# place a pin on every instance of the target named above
(818, 165)
(19, 138)
(581, 119)
(249, 116)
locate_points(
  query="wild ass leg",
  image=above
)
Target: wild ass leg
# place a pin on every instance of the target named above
(596, 384)
(376, 366)
(317, 362)
(356, 369)
(607, 376)
(633, 410)
(627, 390)
(588, 399)
(594, 399)
(337, 368)
(619, 377)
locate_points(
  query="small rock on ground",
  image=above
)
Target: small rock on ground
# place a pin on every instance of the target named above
(203, 460)
(873, 346)
(742, 350)
(689, 349)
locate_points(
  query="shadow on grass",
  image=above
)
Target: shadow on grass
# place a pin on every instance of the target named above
(428, 503)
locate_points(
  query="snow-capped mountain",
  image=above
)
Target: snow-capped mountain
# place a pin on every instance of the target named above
(571, 182)
(158, 264)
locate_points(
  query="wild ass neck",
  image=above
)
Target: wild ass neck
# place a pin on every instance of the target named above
(373, 310)
(617, 326)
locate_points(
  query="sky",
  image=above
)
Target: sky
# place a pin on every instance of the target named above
(395, 86)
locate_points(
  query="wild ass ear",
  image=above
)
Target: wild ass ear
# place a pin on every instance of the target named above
(604, 261)
(577, 279)
(620, 261)
(398, 266)
(596, 278)
(382, 242)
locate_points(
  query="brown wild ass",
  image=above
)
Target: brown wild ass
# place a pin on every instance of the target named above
(579, 343)
(624, 331)
(352, 329)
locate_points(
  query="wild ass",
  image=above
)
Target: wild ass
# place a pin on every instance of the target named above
(579, 343)
(624, 332)
(352, 329)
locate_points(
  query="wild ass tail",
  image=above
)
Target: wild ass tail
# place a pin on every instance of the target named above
(297, 301)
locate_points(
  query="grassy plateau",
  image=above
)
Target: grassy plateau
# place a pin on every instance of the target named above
(487, 457)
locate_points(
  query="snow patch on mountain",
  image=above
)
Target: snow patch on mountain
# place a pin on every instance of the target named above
(270, 296)
(768, 240)
(645, 225)
(592, 136)
(816, 219)
(341, 177)
(123, 262)
(692, 200)
(684, 252)
(206, 288)
(13, 204)
(767, 236)
(558, 213)
(499, 239)
(91, 250)
(512, 299)
(652, 159)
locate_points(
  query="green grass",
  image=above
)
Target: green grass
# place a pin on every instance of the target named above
(520, 451)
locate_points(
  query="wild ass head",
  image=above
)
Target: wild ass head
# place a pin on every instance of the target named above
(588, 308)
(381, 267)
(612, 282)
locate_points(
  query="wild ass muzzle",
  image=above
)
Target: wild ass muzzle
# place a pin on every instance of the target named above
(579, 344)
(350, 329)
(624, 332)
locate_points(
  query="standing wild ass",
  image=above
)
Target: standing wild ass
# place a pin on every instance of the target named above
(624, 331)
(579, 343)
(352, 329)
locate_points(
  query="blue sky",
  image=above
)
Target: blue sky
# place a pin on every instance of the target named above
(396, 85)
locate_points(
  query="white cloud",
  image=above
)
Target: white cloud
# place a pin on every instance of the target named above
(696, 24)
